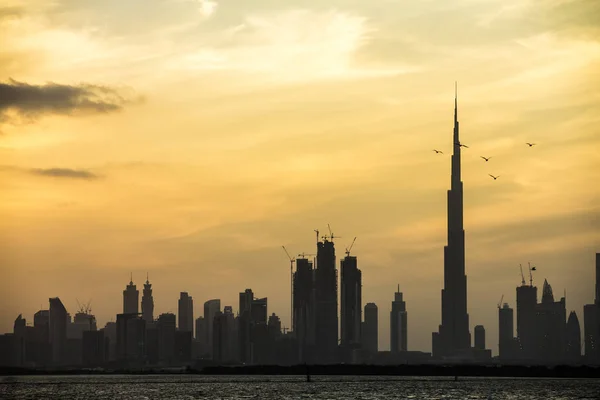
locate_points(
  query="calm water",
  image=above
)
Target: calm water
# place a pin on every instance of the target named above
(292, 387)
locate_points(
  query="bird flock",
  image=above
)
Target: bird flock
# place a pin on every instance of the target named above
(486, 159)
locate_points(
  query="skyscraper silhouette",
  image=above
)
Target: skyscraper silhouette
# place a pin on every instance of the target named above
(131, 298)
(370, 329)
(453, 334)
(304, 307)
(398, 324)
(147, 302)
(185, 312)
(58, 330)
(326, 302)
(351, 301)
(211, 307)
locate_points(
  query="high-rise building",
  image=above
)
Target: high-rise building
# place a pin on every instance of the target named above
(550, 324)
(211, 307)
(258, 311)
(479, 331)
(505, 332)
(304, 307)
(186, 312)
(223, 336)
(131, 299)
(398, 324)
(370, 329)
(326, 326)
(58, 330)
(131, 337)
(147, 302)
(573, 350)
(526, 329)
(453, 335)
(591, 323)
(165, 324)
(351, 301)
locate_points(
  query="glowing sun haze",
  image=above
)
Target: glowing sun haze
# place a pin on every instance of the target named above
(190, 139)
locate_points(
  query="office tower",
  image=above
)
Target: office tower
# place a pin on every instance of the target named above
(326, 326)
(274, 326)
(131, 298)
(211, 307)
(258, 311)
(200, 346)
(550, 323)
(186, 312)
(110, 332)
(398, 324)
(244, 325)
(183, 346)
(505, 332)
(591, 323)
(526, 329)
(165, 324)
(93, 351)
(58, 330)
(41, 323)
(131, 337)
(370, 329)
(573, 350)
(479, 331)
(147, 302)
(303, 306)
(453, 334)
(223, 336)
(351, 301)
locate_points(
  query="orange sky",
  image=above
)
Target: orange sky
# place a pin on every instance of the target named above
(196, 137)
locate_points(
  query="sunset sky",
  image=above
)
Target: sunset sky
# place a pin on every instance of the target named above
(191, 139)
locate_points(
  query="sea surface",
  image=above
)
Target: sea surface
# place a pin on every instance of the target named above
(93, 387)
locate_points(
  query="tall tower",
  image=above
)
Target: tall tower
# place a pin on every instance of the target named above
(454, 332)
(398, 324)
(505, 332)
(370, 329)
(185, 312)
(131, 298)
(147, 302)
(326, 332)
(351, 301)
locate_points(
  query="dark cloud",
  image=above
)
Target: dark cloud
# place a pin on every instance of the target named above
(32, 100)
(65, 173)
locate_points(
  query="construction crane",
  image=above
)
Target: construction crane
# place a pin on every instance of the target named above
(331, 233)
(530, 274)
(317, 231)
(522, 276)
(292, 260)
(500, 302)
(305, 254)
(350, 248)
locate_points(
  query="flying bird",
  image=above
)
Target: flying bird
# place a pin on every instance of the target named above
(486, 158)
(533, 268)
(461, 145)
(438, 151)
(495, 177)
(530, 144)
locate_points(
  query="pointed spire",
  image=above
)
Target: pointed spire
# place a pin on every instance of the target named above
(131, 278)
(147, 280)
(455, 99)
(398, 288)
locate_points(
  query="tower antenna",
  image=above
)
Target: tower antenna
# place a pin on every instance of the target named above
(292, 260)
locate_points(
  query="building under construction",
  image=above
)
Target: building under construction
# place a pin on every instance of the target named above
(326, 327)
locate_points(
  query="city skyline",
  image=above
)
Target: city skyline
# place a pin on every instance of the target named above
(198, 161)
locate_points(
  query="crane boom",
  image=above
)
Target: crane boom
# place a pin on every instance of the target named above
(350, 248)
(522, 276)
(500, 303)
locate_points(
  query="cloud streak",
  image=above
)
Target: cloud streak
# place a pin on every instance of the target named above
(64, 173)
(29, 100)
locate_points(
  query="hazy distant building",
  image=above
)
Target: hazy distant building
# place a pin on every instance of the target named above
(573, 350)
(131, 337)
(326, 324)
(131, 298)
(591, 323)
(479, 332)
(201, 337)
(304, 307)
(550, 322)
(211, 307)
(258, 311)
(94, 348)
(147, 302)
(351, 301)
(370, 329)
(398, 324)
(58, 330)
(222, 337)
(453, 336)
(505, 332)
(186, 312)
